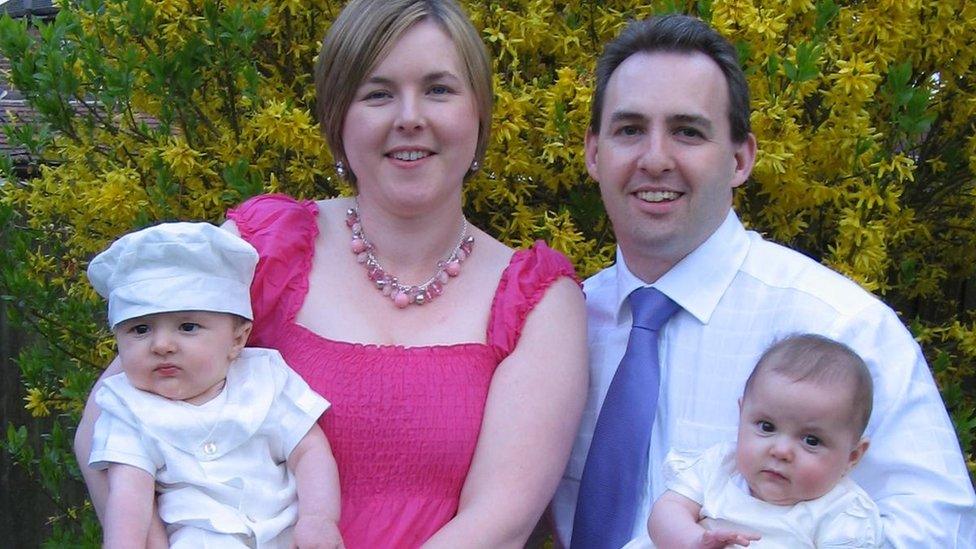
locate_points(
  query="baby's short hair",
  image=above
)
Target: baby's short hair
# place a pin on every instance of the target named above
(821, 360)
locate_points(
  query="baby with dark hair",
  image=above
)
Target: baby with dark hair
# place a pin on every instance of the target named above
(784, 482)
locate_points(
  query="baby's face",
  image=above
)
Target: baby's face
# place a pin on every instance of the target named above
(181, 355)
(796, 439)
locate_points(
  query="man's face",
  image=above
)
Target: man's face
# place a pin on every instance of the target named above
(664, 157)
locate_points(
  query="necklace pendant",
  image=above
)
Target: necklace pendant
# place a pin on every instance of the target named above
(401, 295)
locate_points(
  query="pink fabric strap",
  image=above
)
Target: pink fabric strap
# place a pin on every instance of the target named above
(283, 230)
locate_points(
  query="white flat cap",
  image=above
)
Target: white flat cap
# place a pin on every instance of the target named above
(175, 267)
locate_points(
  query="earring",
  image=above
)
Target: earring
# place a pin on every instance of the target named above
(340, 168)
(475, 166)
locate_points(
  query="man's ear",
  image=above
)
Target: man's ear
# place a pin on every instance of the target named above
(745, 159)
(590, 148)
(857, 453)
(241, 332)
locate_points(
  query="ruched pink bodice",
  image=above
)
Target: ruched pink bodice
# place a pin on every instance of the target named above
(404, 420)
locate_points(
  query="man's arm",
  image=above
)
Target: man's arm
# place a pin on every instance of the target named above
(914, 470)
(128, 507)
(317, 483)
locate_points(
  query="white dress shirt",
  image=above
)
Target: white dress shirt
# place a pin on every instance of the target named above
(740, 293)
(221, 467)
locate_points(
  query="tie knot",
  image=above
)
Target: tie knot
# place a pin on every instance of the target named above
(651, 308)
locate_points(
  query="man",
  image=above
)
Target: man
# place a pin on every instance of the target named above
(669, 140)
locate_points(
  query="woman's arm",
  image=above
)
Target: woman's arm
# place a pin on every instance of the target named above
(96, 480)
(532, 414)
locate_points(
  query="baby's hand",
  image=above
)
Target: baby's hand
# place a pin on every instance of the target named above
(721, 538)
(316, 533)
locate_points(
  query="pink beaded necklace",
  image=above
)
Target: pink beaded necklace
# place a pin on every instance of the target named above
(403, 295)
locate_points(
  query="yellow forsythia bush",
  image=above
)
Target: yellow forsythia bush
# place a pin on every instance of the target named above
(176, 109)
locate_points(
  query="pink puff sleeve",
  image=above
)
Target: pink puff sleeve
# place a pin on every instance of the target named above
(283, 231)
(524, 282)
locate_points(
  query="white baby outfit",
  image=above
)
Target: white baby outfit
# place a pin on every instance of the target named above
(220, 468)
(844, 517)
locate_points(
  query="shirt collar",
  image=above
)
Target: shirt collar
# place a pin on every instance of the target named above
(697, 282)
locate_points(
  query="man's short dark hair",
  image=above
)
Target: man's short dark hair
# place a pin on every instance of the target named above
(679, 34)
(820, 360)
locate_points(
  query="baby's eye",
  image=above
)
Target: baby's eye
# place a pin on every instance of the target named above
(766, 427)
(139, 329)
(811, 440)
(189, 327)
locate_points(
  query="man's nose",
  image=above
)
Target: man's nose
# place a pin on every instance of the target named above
(656, 158)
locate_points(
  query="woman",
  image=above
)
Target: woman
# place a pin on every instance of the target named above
(456, 368)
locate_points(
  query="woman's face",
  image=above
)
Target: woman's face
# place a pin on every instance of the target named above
(411, 132)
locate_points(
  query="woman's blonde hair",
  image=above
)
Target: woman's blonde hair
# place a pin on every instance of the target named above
(365, 32)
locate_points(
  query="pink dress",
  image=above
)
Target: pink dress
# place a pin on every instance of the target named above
(404, 420)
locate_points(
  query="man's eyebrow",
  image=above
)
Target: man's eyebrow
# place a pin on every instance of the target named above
(627, 116)
(693, 119)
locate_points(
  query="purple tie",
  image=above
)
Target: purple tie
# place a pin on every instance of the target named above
(615, 473)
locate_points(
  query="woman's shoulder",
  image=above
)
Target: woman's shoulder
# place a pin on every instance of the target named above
(268, 210)
(540, 263)
(530, 274)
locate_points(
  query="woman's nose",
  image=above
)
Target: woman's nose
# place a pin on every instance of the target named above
(410, 116)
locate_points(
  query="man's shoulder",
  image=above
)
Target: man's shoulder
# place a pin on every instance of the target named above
(601, 281)
(779, 267)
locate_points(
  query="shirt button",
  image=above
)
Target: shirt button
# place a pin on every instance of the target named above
(210, 448)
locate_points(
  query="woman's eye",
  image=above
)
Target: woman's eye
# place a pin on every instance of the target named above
(766, 427)
(189, 327)
(378, 94)
(811, 440)
(439, 89)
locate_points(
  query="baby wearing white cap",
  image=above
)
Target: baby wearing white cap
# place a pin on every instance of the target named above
(226, 435)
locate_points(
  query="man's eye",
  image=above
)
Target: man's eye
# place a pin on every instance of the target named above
(189, 327)
(811, 440)
(628, 130)
(766, 427)
(689, 132)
